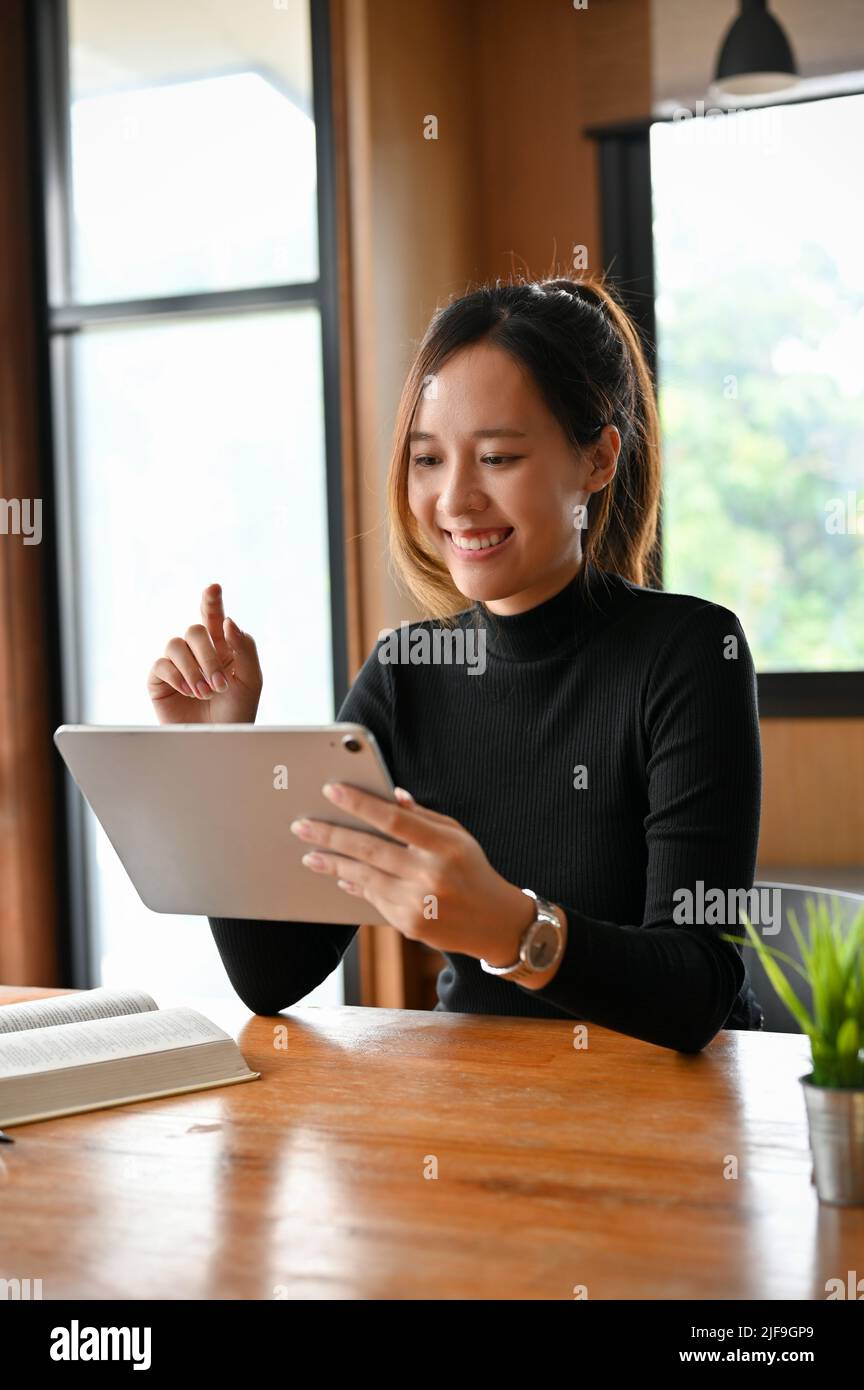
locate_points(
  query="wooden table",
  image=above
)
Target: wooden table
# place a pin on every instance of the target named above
(556, 1167)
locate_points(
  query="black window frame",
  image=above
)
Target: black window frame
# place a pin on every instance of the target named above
(627, 239)
(60, 318)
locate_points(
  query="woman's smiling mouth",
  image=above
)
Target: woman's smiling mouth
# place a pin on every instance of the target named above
(479, 544)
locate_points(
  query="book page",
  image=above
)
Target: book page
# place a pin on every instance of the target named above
(73, 1008)
(100, 1040)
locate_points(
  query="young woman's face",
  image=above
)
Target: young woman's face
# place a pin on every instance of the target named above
(494, 468)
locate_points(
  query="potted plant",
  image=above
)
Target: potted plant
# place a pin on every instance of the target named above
(832, 964)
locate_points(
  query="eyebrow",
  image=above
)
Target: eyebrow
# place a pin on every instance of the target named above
(489, 432)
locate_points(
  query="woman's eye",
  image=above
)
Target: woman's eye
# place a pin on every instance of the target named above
(424, 460)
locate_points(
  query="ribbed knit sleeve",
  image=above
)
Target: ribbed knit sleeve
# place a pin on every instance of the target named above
(659, 980)
(273, 964)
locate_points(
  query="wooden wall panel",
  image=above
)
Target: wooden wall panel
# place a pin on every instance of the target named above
(28, 908)
(546, 71)
(813, 792)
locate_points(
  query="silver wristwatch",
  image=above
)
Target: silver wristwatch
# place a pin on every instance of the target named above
(541, 947)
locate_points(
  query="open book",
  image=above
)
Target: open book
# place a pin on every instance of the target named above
(106, 1047)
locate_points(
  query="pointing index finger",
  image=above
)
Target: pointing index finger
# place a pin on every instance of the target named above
(213, 613)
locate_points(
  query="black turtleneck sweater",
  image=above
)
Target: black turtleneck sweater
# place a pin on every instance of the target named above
(633, 685)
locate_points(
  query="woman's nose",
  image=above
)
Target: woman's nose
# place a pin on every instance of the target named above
(459, 494)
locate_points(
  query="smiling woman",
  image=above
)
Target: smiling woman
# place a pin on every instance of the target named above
(608, 759)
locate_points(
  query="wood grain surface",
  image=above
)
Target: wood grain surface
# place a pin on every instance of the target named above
(558, 1168)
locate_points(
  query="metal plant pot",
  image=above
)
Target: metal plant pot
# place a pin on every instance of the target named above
(835, 1115)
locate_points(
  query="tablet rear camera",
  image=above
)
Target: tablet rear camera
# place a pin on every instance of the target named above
(352, 744)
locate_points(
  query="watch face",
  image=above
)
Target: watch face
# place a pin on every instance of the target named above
(544, 946)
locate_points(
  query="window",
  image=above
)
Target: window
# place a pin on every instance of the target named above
(760, 356)
(195, 424)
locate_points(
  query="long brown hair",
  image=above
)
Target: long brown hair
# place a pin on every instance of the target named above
(585, 355)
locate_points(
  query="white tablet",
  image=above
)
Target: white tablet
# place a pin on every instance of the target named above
(200, 814)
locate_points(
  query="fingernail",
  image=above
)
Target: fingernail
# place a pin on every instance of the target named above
(203, 690)
(333, 792)
(300, 827)
(218, 681)
(314, 861)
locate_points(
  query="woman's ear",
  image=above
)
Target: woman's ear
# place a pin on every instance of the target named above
(604, 458)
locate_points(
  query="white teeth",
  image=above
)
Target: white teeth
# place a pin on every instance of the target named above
(480, 543)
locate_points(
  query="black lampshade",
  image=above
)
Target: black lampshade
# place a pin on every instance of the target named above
(756, 55)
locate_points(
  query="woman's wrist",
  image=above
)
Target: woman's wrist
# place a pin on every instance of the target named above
(500, 945)
(504, 949)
